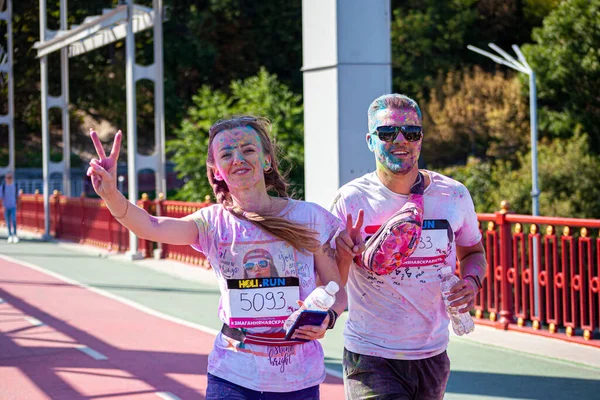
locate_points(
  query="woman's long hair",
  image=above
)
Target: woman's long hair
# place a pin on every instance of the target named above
(299, 236)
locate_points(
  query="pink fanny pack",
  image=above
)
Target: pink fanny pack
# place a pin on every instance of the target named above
(397, 239)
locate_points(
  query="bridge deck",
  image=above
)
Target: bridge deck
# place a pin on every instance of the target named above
(76, 323)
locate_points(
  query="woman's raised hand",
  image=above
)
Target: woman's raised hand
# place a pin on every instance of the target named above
(103, 170)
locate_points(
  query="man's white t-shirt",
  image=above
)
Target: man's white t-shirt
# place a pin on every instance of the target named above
(230, 245)
(402, 315)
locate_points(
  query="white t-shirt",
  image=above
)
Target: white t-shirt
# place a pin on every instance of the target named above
(402, 315)
(231, 245)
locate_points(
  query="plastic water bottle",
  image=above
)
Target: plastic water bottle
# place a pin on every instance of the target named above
(462, 323)
(320, 299)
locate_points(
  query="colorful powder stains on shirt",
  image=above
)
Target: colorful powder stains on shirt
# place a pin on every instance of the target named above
(238, 250)
(402, 315)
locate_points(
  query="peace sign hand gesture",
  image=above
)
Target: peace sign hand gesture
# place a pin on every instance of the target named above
(349, 243)
(103, 171)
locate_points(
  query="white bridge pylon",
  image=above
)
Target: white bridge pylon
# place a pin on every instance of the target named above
(97, 31)
(6, 78)
(121, 22)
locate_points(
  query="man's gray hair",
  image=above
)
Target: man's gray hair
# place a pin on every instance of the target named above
(392, 101)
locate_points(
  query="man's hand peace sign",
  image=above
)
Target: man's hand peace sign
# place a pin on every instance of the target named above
(103, 170)
(349, 243)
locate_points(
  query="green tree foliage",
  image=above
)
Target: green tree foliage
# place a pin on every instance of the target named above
(566, 59)
(478, 177)
(215, 42)
(567, 176)
(475, 114)
(96, 78)
(430, 37)
(534, 11)
(209, 42)
(568, 179)
(261, 95)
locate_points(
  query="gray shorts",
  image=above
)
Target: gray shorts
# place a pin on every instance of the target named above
(376, 378)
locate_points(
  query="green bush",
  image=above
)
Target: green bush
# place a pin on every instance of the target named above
(261, 95)
(566, 60)
(567, 179)
(477, 176)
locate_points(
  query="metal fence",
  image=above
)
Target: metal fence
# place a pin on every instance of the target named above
(543, 275)
(29, 186)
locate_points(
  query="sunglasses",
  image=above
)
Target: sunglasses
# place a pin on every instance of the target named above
(411, 133)
(261, 264)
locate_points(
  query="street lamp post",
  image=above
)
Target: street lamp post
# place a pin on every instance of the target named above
(522, 66)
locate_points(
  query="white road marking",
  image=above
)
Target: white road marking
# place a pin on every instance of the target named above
(34, 321)
(92, 353)
(130, 303)
(167, 396)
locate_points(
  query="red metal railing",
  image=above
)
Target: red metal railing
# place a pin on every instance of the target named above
(553, 263)
(78, 219)
(558, 265)
(88, 221)
(178, 209)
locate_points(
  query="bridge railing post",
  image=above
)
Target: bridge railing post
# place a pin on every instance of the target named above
(83, 217)
(158, 208)
(144, 245)
(55, 216)
(502, 270)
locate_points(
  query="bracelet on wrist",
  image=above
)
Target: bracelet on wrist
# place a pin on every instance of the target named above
(332, 318)
(475, 280)
(125, 213)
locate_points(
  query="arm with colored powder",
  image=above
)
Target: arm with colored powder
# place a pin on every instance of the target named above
(471, 257)
(103, 173)
(472, 267)
(327, 270)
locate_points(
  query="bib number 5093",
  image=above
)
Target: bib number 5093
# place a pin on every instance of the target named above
(252, 301)
(261, 301)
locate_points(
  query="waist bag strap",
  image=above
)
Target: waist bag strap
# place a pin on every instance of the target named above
(396, 240)
(263, 339)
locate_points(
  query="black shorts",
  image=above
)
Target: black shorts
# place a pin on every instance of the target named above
(377, 378)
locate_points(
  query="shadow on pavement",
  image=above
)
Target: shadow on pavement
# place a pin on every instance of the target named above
(46, 366)
(11, 253)
(114, 287)
(521, 386)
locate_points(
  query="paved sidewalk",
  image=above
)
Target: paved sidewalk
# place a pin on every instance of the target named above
(487, 364)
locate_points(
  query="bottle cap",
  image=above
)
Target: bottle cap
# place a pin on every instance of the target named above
(332, 288)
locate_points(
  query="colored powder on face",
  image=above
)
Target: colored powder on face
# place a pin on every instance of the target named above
(234, 143)
(384, 151)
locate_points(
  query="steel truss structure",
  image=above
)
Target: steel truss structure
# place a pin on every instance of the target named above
(6, 69)
(94, 32)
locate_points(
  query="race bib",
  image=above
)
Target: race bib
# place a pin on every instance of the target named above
(261, 302)
(434, 244)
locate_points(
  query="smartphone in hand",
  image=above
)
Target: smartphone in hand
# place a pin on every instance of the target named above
(306, 317)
